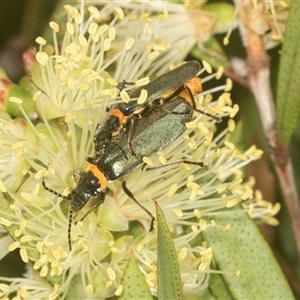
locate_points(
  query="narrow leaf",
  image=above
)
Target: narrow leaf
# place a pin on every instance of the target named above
(134, 283)
(288, 89)
(168, 274)
(241, 252)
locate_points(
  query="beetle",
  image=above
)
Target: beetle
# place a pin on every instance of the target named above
(122, 116)
(157, 123)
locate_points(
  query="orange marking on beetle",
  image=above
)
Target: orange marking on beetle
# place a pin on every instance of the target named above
(98, 174)
(118, 114)
(194, 84)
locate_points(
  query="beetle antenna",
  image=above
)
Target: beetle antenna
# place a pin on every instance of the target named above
(53, 191)
(216, 118)
(70, 228)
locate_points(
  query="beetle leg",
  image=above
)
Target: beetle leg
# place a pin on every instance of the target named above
(130, 195)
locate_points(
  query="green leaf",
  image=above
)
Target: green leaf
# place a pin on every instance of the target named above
(218, 288)
(168, 274)
(134, 283)
(288, 89)
(242, 248)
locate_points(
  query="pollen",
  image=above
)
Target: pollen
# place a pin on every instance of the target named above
(162, 160)
(247, 195)
(102, 30)
(228, 85)
(235, 109)
(251, 208)
(232, 203)
(54, 26)
(95, 14)
(42, 58)
(56, 268)
(93, 28)
(226, 227)
(224, 199)
(55, 293)
(107, 92)
(203, 128)
(191, 124)
(178, 212)
(119, 290)
(70, 28)
(2, 187)
(221, 171)
(139, 247)
(209, 137)
(202, 224)
(231, 125)
(172, 190)
(148, 161)
(182, 253)
(270, 220)
(26, 197)
(106, 44)
(220, 72)
(225, 41)
(192, 144)
(41, 41)
(69, 117)
(17, 145)
(145, 17)
(93, 76)
(115, 250)
(221, 188)
(111, 273)
(153, 55)
(229, 145)
(44, 271)
(194, 228)
(152, 276)
(125, 97)
(192, 185)
(161, 47)
(4, 287)
(142, 97)
(111, 33)
(197, 213)
(112, 81)
(142, 81)
(15, 100)
(119, 12)
(276, 209)
(36, 95)
(14, 246)
(207, 66)
(26, 238)
(129, 43)
(24, 255)
(18, 232)
(5, 222)
(14, 206)
(89, 289)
